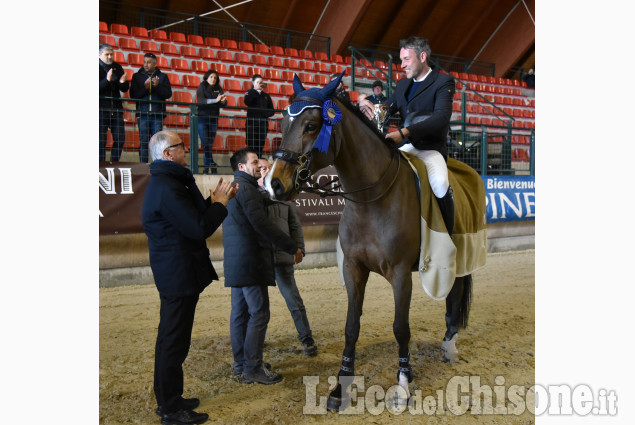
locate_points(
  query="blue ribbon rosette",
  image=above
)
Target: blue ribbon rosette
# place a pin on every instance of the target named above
(332, 116)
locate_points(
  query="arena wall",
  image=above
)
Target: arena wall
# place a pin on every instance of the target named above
(124, 259)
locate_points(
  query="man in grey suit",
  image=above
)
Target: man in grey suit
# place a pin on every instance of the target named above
(424, 100)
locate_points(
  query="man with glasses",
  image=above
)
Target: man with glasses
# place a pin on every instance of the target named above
(177, 220)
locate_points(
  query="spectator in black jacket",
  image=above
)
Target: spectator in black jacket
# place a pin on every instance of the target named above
(177, 220)
(259, 108)
(149, 83)
(112, 81)
(248, 235)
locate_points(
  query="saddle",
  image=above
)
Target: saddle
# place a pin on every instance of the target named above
(442, 259)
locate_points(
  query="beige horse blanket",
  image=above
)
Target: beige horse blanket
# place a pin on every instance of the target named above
(442, 258)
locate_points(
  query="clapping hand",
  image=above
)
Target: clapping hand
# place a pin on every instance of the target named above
(224, 192)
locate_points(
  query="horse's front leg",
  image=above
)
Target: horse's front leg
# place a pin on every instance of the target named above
(457, 306)
(355, 279)
(402, 291)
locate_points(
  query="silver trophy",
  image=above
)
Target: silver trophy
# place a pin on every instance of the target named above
(381, 113)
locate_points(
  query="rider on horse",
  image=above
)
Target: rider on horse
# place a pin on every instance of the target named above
(424, 100)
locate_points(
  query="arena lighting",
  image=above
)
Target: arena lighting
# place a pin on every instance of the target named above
(207, 13)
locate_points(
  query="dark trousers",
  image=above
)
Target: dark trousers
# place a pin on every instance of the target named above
(289, 289)
(173, 343)
(256, 133)
(149, 125)
(114, 122)
(207, 128)
(248, 326)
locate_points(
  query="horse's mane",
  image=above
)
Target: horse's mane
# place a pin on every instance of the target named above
(370, 124)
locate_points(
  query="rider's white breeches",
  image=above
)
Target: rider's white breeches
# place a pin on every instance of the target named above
(436, 166)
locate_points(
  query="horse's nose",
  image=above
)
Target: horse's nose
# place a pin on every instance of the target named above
(278, 188)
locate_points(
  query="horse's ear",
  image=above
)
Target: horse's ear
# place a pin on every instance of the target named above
(297, 84)
(329, 89)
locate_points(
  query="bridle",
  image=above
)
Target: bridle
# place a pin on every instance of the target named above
(302, 178)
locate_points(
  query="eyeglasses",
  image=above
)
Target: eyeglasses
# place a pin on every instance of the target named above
(182, 144)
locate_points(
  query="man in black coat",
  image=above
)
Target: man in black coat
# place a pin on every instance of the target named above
(112, 81)
(248, 235)
(177, 220)
(424, 100)
(149, 83)
(259, 108)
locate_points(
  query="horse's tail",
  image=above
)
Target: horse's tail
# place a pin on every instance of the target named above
(466, 301)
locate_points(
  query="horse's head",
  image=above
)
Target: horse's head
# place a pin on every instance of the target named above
(306, 139)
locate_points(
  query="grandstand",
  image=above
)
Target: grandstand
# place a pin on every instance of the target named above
(487, 111)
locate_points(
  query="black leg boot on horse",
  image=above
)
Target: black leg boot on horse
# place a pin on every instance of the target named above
(446, 204)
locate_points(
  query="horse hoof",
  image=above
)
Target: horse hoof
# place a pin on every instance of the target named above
(450, 352)
(335, 404)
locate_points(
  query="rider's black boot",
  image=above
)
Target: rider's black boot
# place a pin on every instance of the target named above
(446, 204)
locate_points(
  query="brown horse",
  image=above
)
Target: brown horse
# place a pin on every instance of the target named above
(380, 228)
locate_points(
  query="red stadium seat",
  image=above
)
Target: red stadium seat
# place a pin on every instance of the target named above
(289, 51)
(135, 59)
(337, 59)
(286, 90)
(245, 46)
(148, 46)
(212, 42)
(235, 142)
(204, 53)
(232, 86)
(159, 35)
(195, 40)
(178, 37)
(239, 123)
(287, 76)
(169, 49)
(321, 68)
(251, 71)
(179, 65)
(321, 80)
(306, 66)
(259, 60)
(224, 55)
(305, 54)
(108, 39)
(261, 48)
(272, 74)
(119, 58)
(139, 32)
(174, 80)
(221, 68)
(291, 64)
(162, 62)
(224, 122)
(274, 62)
(282, 104)
(119, 29)
(176, 120)
(276, 50)
(219, 145)
(199, 67)
(230, 45)
(238, 71)
(182, 96)
(272, 89)
(242, 57)
(103, 28)
(321, 56)
(306, 78)
(188, 52)
(191, 81)
(128, 44)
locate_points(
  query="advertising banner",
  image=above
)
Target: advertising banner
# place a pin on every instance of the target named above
(122, 185)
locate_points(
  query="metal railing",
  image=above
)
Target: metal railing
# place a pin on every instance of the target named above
(489, 149)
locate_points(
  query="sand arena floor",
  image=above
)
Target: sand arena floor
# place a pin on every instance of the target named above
(499, 342)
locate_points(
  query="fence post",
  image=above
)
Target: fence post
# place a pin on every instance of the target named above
(193, 139)
(532, 153)
(483, 152)
(507, 150)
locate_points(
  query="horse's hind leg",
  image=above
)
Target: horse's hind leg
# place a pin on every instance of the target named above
(355, 279)
(457, 306)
